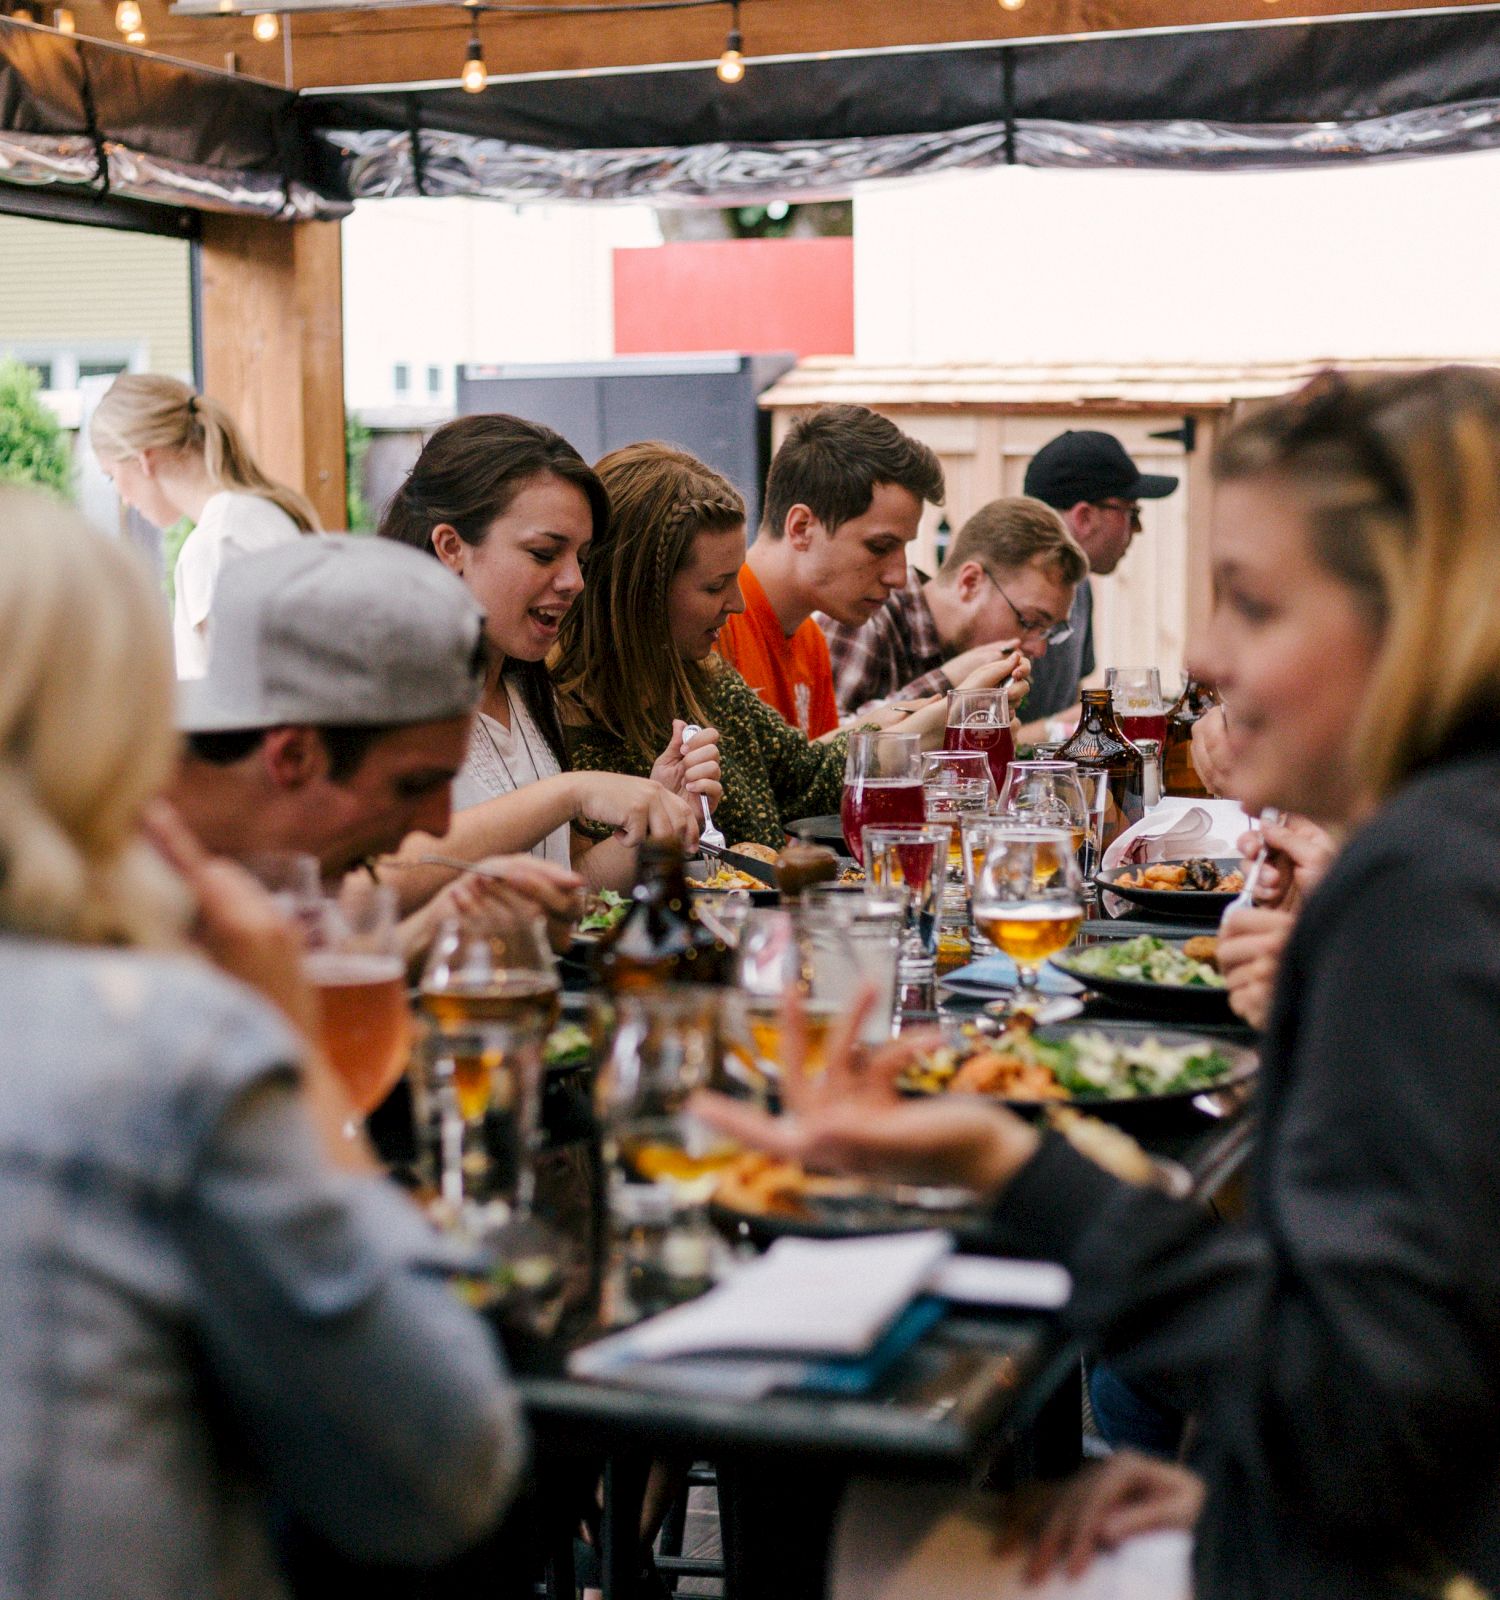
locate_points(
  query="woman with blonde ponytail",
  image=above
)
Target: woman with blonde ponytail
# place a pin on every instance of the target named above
(176, 1225)
(172, 453)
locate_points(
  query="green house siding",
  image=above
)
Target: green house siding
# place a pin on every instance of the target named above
(97, 293)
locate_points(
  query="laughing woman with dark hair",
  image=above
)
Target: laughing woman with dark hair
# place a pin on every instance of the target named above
(513, 509)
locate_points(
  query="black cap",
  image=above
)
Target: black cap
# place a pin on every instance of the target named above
(1084, 465)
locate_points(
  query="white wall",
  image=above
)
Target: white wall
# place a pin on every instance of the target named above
(1032, 265)
(441, 282)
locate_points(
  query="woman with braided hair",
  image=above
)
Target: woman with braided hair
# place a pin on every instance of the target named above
(173, 453)
(636, 654)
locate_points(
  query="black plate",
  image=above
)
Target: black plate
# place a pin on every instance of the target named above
(1186, 905)
(1147, 1109)
(842, 1220)
(758, 897)
(820, 830)
(1188, 1002)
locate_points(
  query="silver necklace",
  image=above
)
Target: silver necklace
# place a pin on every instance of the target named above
(518, 725)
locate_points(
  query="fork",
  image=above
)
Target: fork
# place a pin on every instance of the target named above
(710, 838)
(1246, 896)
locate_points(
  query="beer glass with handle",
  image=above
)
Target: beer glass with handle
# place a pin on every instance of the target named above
(1028, 900)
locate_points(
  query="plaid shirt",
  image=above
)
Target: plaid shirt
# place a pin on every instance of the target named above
(896, 655)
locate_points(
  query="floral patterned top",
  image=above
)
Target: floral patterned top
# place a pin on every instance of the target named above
(772, 774)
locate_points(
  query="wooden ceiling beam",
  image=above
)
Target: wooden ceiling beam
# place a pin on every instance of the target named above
(421, 44)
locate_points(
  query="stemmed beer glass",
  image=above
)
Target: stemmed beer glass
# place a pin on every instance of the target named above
(1028, 899)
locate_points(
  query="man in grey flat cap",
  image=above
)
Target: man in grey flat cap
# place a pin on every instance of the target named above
(342, 680)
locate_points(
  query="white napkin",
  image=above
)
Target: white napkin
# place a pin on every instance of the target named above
(1178, 828)
(804, 1296)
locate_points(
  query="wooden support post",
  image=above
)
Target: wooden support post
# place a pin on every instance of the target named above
(273, 347)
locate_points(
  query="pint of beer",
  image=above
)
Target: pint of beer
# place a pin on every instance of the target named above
(363, 1020)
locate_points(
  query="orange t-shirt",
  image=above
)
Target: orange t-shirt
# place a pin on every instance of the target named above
(793, 675)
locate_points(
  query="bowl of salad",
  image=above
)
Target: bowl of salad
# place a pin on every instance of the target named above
(1163, 977)
(1123, 1072)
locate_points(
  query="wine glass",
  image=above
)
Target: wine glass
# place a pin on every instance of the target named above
(1047, 794)
(917, 860)
(1135, 695)
(882, 785)
(352, 958)
(663, 1045)
(1028, 900)
(979, 719)
(491, 993)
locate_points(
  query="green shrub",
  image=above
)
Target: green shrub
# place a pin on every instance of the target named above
(356, 447)
(33, 446)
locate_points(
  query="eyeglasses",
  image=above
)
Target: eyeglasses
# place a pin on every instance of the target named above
(1128, 507)
(1033, 626)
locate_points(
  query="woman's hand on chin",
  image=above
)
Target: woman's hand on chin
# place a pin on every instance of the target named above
(694, 770)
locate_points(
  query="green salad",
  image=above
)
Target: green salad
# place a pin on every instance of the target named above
(568, 1045)
(1145, 960)
(604, 910)
(1092, 1066)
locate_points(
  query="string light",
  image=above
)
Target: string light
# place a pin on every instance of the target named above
(266, 29)
(62, 20)
(128, 17)
(136, 36)
(731, 67)
(475, 75)
(1012, 5)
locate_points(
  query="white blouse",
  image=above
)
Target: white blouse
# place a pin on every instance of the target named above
(501, 760)
(233, 524)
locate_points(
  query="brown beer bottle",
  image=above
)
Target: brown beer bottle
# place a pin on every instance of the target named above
(1178, 774)
(1100, 743)
(660, 939)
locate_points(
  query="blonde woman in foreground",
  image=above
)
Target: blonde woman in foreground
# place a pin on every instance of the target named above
(1341, 1346)
(183, 1216)
(173, 453)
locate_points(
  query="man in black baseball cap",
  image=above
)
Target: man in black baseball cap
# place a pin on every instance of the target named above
(1091, 480)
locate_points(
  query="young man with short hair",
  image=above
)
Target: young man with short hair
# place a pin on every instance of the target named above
(1009, 575)
(341, 683)
(843, 499)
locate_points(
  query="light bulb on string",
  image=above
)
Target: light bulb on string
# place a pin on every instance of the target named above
(63, 20)
(475, 74)
(266, 28)
(1012, 5)
(731, 67)
(136, 36)
(128, 17)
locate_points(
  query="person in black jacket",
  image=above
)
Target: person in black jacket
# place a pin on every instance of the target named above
(1342, 1346)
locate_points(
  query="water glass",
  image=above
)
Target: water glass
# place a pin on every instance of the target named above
(917, 860)
(662, 1046)
(491, 994)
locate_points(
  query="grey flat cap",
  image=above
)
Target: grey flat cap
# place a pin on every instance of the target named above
(336, 629)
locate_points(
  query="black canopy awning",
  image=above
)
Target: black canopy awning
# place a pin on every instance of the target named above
(80, 116)
(1242, 96)
(1234, 97)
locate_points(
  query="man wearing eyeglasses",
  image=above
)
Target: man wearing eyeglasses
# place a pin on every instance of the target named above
(1006, 585)
(1091, 481)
